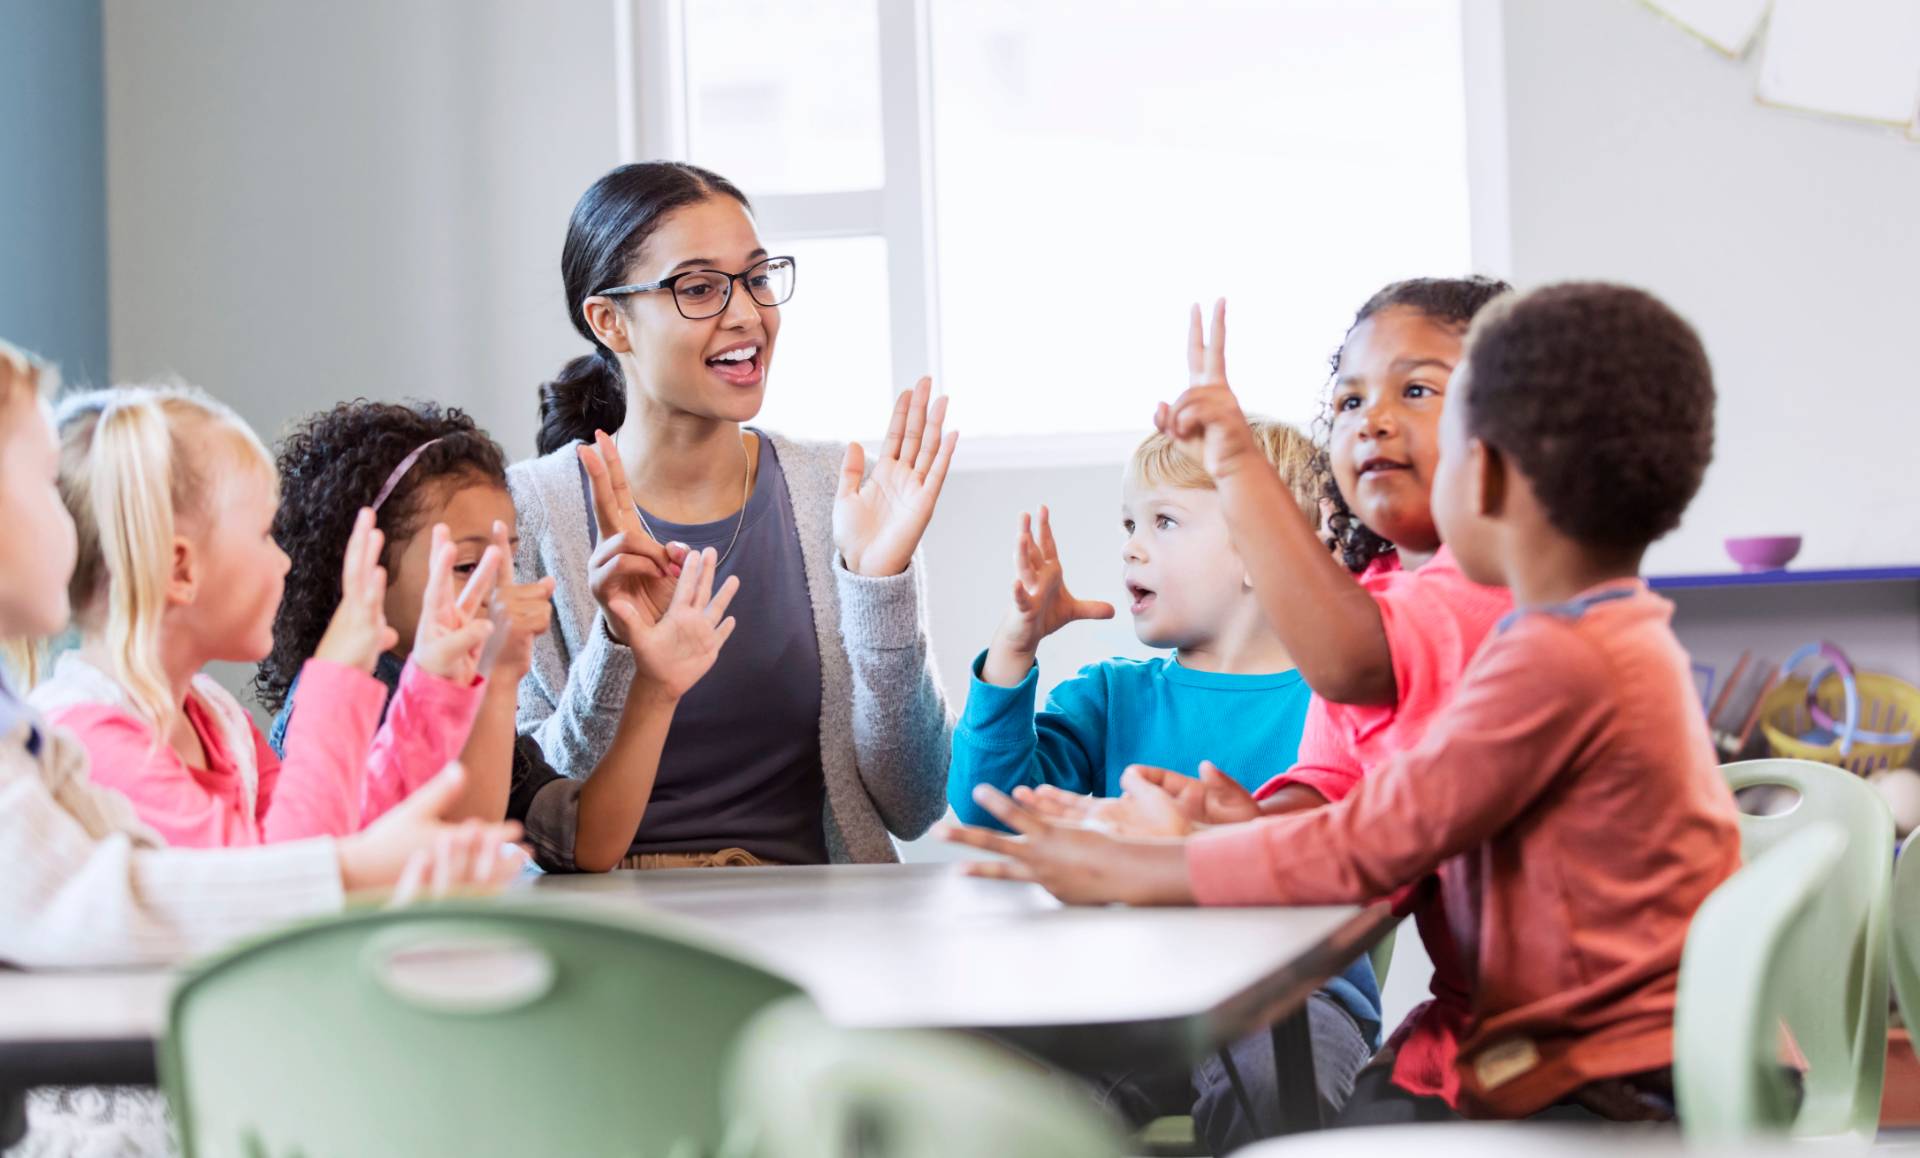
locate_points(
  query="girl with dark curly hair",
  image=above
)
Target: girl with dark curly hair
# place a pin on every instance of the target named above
(437, 481)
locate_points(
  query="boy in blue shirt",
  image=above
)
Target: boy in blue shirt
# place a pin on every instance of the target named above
(1229, 691)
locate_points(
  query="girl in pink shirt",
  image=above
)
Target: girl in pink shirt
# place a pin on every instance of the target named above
(174, 497)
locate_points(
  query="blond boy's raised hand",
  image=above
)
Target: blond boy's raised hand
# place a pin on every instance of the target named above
(1206, 422)
(1042, 604)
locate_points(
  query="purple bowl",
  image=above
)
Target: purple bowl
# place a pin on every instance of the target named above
(1764, 552)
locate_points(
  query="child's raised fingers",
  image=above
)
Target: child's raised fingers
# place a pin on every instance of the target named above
(1196, 344)
(723, 632)
(439, 588)
(1217, 347)
(480, 584)
(352, 564)
(1047, 546)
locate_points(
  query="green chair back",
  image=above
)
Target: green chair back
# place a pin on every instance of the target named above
(1837, 1004)
(460, 1028)
(1741, 979)
(1906, 937)
(799, 1088)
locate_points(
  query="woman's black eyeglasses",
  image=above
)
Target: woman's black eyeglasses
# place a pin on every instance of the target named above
(704, 293)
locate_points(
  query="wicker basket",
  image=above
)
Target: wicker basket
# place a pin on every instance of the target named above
(1887, 706)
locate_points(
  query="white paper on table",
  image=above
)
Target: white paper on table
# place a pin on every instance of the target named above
(1728, 25)
(1850, 58)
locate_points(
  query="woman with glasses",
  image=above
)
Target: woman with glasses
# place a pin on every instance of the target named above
(822, 725)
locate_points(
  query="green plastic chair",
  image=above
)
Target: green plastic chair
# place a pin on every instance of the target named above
(1833, 978)
(460, 1028)
(1741, 978)
(1906, 937)
(800, 1088)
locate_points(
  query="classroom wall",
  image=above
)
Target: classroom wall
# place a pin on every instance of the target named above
(309, 202)
(1636, 153)
(53, 235)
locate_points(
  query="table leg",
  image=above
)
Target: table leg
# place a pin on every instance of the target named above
(1294, 1079)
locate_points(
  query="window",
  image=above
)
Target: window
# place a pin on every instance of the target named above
(1022, 198)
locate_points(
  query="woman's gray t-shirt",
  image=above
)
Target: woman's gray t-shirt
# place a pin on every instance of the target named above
(741, 767)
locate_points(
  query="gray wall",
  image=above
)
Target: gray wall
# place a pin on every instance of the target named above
(53, 241)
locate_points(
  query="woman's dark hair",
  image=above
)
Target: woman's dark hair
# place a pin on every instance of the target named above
(611, 222)
(332, 464)
(1448, 301)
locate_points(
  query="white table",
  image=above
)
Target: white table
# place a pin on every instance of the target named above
(877, 946)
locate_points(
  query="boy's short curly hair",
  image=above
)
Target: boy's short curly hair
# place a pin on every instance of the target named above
(332, 464)
(1603, 398)
(1158, 462)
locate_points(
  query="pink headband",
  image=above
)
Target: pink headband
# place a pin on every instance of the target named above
(400, 472)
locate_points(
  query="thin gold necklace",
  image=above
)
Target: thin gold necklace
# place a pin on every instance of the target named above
(746, 492)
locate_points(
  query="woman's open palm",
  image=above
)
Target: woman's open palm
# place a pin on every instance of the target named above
(676, 647)
(881, 513)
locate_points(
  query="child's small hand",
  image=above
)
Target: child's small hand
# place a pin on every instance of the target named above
(1078, 865)
(452, 629)
(1144, 810)
(1042, 604)
(673, 650)
(1206, 422)
(522, 613)
(358, 634)
(1213, 798)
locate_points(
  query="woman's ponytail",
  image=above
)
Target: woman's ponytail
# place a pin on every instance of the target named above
(587, 395)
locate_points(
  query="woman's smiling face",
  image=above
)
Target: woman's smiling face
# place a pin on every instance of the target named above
(1387, 398)
(710, 367)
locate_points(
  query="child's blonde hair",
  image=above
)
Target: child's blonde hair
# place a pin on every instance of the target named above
(136, 461)
(1159, 462)
(24, 377)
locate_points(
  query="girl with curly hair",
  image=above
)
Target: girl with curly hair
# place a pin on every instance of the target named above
(173, 496)
(433, 477)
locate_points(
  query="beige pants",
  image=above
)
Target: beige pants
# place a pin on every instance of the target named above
(725, 858)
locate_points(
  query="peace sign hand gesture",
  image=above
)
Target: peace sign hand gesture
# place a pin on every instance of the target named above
(880, 514)
(1206, 422)
(453, 627)
(626, 564)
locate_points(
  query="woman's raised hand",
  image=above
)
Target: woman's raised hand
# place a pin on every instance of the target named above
(627, 564)
(671, 651)
(881, 513)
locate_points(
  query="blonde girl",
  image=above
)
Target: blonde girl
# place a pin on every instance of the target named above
(174, 498)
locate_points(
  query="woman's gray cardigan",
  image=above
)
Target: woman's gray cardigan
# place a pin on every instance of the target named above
(884, 722)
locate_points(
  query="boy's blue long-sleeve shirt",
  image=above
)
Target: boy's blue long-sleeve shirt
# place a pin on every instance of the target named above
(1123, 712)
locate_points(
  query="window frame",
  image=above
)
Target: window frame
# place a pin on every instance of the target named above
(654, 103)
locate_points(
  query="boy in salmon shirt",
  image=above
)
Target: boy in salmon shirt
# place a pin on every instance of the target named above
(1568, 797)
